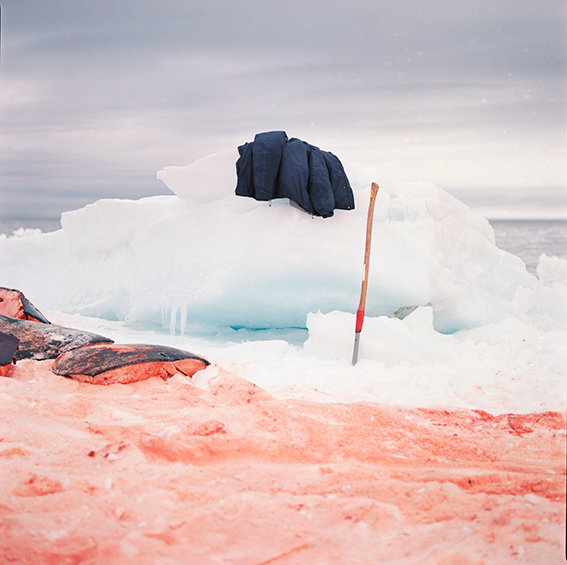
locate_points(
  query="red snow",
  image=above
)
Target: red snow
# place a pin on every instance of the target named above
(6, 370)
(163, 472)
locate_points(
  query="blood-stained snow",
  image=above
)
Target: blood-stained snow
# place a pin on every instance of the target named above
(170, 472)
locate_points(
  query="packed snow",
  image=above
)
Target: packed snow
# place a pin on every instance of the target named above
(269, 292)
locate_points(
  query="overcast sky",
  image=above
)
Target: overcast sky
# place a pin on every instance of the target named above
(97, 96)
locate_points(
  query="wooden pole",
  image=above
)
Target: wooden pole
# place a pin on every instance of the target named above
(362, 303)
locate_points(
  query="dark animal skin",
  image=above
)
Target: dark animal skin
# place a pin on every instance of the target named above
(13, 303)
(8, 349)
(25, 333)
(107, 364)
(46, 341)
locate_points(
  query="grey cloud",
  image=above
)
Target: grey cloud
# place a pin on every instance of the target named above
(105, 93)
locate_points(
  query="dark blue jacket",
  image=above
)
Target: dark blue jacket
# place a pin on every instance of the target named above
(273, 166)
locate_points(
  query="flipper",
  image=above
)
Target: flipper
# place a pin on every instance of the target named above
(8, 349)
(45, 340)
(13, 303)
(107, 364)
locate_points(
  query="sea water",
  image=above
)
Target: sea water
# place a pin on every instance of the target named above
(528, 239)
(10, 225)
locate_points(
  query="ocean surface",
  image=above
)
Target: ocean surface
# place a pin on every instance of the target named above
(9, 226)
(528, 239)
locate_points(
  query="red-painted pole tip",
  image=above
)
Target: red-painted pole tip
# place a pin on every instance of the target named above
(359, 321)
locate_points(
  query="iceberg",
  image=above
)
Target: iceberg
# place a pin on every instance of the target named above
(204, 256)
(269, 292)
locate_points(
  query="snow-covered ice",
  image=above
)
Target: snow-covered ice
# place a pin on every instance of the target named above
(444, 444)
(451, 319)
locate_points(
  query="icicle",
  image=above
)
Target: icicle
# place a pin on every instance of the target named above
(163, 317)
(183, 318)
(172, 319)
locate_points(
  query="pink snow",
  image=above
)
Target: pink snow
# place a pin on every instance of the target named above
(165, 472)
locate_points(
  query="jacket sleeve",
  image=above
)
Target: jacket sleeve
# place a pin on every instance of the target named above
(245, 181)
(342, 191)
(266, 155)
(294, 174)
(320, 188)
